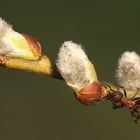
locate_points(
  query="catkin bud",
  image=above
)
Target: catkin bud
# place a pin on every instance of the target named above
(14, 44)
(128, 71)
(79, 73)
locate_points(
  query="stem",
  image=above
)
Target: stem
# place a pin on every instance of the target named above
(41, 66)
(46, 67)
(119, 96)
(110, 88)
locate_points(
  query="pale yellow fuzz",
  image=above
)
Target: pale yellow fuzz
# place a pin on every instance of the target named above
(92, 71)
(21, 46)
(14, 44)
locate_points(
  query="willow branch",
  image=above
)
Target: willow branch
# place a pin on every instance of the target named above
(46, 67)
(23, 52)
(41, 66)
(129, 97)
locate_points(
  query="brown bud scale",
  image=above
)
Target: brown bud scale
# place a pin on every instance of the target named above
(34, 44)
(90, 94)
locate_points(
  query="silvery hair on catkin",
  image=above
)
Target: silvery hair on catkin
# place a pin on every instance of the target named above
(128, 71)
(5, 29)
(73, 65)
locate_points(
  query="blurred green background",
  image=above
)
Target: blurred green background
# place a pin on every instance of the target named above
(35, 107)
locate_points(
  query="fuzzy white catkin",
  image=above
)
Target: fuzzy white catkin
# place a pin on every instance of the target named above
(13, 43)
(128, 72)
(6, 46)
(73, 65)
(5, 28)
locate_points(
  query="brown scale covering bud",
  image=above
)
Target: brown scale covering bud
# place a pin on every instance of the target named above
(34, 44)
(90, 94)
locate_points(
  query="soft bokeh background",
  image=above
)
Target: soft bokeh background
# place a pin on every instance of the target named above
(34, 107)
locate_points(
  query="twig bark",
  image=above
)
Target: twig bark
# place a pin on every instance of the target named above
(41, 66)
